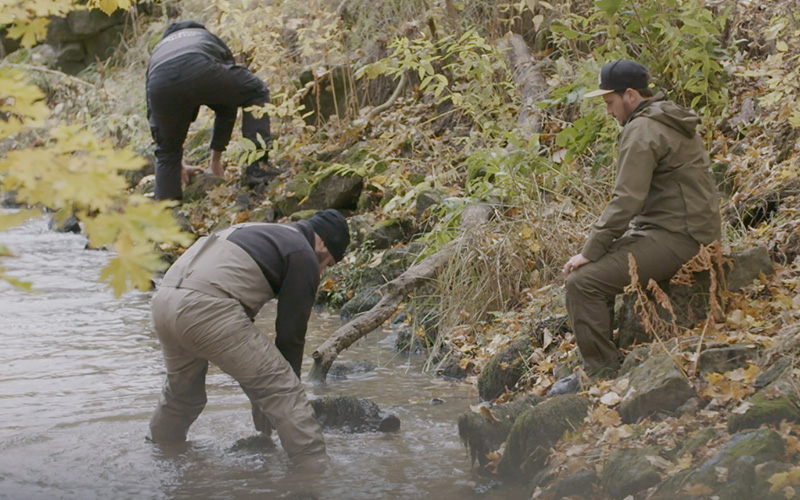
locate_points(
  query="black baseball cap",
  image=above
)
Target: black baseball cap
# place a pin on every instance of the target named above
(331, 226)
(620, 75)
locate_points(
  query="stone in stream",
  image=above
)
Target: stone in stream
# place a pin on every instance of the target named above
(352, 414)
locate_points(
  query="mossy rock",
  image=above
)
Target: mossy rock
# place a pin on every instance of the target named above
(693, 442)
(352, 414)
(627, 472)
(302, 215)
(740, 457)
(536, 431)
(482, 436)
(504, 370)
(295, 190)
(764, 411)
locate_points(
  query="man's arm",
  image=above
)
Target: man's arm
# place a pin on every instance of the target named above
(638, 160)
(295, 300)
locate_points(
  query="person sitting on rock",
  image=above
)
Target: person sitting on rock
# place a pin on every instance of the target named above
(664, 206)
(188, 68)
(203, 312)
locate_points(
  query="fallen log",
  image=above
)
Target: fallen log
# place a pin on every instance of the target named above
(394, 292)
(529, 79)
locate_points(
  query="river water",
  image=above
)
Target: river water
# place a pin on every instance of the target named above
(81, 372)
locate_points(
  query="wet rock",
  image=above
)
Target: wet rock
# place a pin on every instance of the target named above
(482, 434)
(730, 473)
(255, 443)
(341, 369)
(334, 191)
(764, 410)
(449, 368)
(68, 224)
(627, 472)
(504, 370)
(725, 359)
(658, 385)
(536, 431)
(352, 414)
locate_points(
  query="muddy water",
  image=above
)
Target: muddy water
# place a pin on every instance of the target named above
(81, 371)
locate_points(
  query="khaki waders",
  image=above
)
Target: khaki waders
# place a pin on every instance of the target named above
(198, 321)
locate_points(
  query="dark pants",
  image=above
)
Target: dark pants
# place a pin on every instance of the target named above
(592, 287)
(175, 91)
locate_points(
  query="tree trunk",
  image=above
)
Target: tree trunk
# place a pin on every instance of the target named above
(394, 292)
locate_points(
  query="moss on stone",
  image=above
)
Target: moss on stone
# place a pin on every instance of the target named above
(481, 435)
(504, 370)
(535, 432)
(764, 411)
(627, 472)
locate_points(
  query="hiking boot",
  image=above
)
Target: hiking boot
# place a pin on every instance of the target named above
(260, 173)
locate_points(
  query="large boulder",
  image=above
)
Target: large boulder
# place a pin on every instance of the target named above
(730, 473)
(483, 433)
(534, 433)
(657, 385)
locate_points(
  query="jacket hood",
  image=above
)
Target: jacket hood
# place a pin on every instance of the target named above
(670, 114)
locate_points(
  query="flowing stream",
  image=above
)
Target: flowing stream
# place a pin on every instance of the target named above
(81, 371)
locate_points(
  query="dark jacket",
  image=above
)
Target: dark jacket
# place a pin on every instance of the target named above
(189, 37)
(663, 180)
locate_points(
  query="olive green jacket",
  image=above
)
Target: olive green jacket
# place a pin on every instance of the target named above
(662, 180)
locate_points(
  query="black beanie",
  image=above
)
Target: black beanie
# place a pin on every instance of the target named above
(331, 226)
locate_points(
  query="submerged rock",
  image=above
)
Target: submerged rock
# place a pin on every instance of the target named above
(352, 414)
(341, 369)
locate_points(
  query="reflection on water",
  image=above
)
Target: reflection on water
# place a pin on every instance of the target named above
(80, 374)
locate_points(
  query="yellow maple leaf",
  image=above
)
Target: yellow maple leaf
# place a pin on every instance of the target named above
(781, 480)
